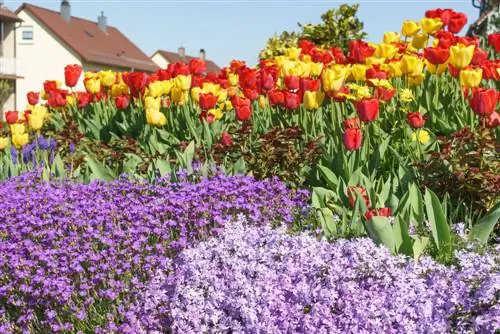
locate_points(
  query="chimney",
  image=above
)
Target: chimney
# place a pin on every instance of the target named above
(102, 22)
(65, 10)
(202, 54)
(182, 51)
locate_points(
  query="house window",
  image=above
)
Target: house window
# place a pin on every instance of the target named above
(27, 34)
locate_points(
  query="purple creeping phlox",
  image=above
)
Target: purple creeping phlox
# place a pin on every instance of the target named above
(263, 280)
(72, 255)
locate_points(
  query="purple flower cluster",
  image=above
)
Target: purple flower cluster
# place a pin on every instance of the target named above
(263, 280)
(72, 255)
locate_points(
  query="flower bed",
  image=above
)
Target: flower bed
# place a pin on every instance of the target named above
(73, 254)
(260, 280)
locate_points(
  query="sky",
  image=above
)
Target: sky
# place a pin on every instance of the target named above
(237, 29)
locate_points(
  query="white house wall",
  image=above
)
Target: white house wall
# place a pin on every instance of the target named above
(159, 60)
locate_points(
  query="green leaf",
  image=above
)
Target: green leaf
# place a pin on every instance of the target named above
(330, 178)
(485, 225)
(403, 242)
(163, 166)
(188, 156)
(419, 245)
(380, 230)
(99, 170)
(439, 226)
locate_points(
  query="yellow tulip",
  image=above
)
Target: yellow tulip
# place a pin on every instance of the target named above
(471, 78)
(178, 96)
(421, 135)
(155, 117)
(17, 128)
(92, 85)
(415, 80)
(107, 78)
(394, 68)
(209, 87)
(313, 100)
(293, 53)
(406, 95)
(20, 139)
(431, 26)
(316, 69)
(183, 82)
(384, 83)
(35, 122)
(4, 142)
(419, 41)
(386, 50)
(91, 75)
(233, 79)
(156, 89)
(333, 78)
(306, 58)
(263, 102)
(41, 111)
(228, 105)
(461, 55)
(116, 90)
(360, 92)
(410, 28)
(305, 69)
(222, 95)
(216, 113)
(152, 103)
(358, 71)
(166, 86)
(411, 65)
(70, 100)
(391, 37)
(374, 61)
(195, 93)
(436, 69)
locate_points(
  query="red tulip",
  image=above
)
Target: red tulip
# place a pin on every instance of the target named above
(292, 100)
(368, 110)
(479, 56)
(121, 102)
(56, 100)
(375, 73)
(306, 46)
(338, 55)
(49, 86)
(292, 82)
(163, 74)
(384, 94)
(352, 139)
(445, 38)
(384, 212)
(251, 94)
(437, 56)
(136, 81)
(443, 14)
(197, 81)
(352, 194)
(457, 22)
(276, 97)
(467, 40)
(268, 77)
(179, 69)
(207, 101)
(351, 123)
(309, 84)
(483, 101)
(359, 51)
(83, 99)
(494, 119)
(11, 117)
(242, 107)
(248, 78)
(494, 41)
(72, 74)
(416, 120)
(33, 98)
(454, 71)
(226, 139)
(197, 66)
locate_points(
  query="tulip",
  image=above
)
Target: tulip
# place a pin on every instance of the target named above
(292, 100)
(222, 95)
(419, 41)
(292, 82)
(437, 55)
(33, 98)
(263, 102)
(92, 85)
(83, 99)
(415, 80)
(431, 25)
(121, 102)
(445, 39)
(71, 75)
(382, 212)
(242, 107)
(494, 41)
(391, 37)
(107, 78)
(136, 81)
(207, 101)
(20, 139)
(333, 78)
(411, 65)
(461, 55)
(421, 135)
(35, 122)
(416, 120)
(152, 103)
(493, 120)
(313, 100)
(226, 139)
(471, 78)
(178, 96)
(352, 123)
(384, 94)
(316, 69)
(276, 97)
(359, 51)
(309, 84)
(394, 68)
(183, 82)
(385, 50)
(410, 28)
(155, 117)
(4, 142)
(352, 139)
(457, 22)
(293, 53)
(358, 72)
(354, 192)
(197, 66)
(436, 69)
(11, 117)
(17, 128)
(479, 56)
(368, 110)
(155, 89)
(483, 101)
(251, 94)
(40, 111)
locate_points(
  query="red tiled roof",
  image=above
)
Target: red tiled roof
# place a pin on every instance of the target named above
(173, 57)
(7, 15)
(110, 48)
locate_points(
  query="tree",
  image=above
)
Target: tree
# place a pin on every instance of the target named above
(5, 91)
(337, 28)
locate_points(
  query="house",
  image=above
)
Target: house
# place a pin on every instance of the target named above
(163, 58)
(49, 40)
(9, 65)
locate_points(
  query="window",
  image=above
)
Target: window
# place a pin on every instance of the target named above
(27, 34)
